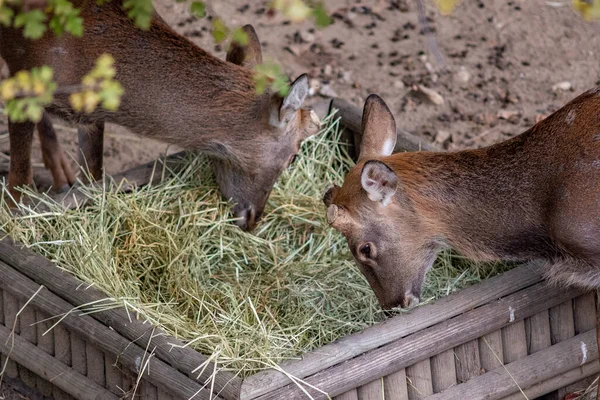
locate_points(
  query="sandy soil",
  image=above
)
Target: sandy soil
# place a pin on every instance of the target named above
(495, 67)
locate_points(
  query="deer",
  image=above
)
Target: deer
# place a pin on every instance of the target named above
(174, 92)
(535, 196)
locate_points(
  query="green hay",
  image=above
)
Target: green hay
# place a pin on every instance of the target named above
(171, 253)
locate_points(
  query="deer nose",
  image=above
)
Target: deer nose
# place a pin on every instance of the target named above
(409, 301)
(246, 218)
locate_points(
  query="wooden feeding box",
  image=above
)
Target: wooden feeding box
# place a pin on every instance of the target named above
(506, 337)
(509, 333)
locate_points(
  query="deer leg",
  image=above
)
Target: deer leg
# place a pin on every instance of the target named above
(91, 147)
(54, 158)
(20, 173)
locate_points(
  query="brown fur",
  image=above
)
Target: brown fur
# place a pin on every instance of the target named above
(174, 92)
(536, 196)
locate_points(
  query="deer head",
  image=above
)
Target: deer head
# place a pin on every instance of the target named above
(377, 219)
(247, 177)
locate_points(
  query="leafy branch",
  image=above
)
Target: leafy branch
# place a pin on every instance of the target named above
(28, 92)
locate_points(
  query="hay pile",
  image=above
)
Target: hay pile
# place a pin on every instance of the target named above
(171, 252)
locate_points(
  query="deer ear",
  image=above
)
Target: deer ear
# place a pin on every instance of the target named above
(248, 55)
(378, 129)
(294, 99)
(379, 181)
(330, 194)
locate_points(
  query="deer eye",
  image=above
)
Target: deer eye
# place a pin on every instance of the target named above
(365, 250)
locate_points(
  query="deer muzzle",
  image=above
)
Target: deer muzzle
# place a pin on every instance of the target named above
(332, 213)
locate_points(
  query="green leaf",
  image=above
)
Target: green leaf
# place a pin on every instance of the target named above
(198, 9)
(140, 11)
(219, 30)
(446, 6)
(34, 112)
(321, 18)
(6, 15)
(32, 22)
(74, 25)
(240, 37)
(56, 26)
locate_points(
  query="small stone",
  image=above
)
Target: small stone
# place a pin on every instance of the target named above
(463, 76)
(562, 87)
(327, 91)
(430, 94)
(442, 136)
(307, 36)
(328, 70)
(347, 76)
(314, 86)
(507, 114)
(399, 84)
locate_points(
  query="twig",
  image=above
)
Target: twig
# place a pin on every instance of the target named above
(433, 47)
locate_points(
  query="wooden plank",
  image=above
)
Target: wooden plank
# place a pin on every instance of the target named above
(371, 391)
(391, 329)
(584, 312)
(166, 348)
(49, 368)
(584, 318)
(491, 354)
(62, 344)
(11, 308)
(562, 324)
(526, 371)
(514, 341)
(468, 364)
(28, 331)
(349, 395)
(130, 354)
(395, 386)
(590, 369)
(78, 355)
(162, 395)
(429, 342)
(128, 386)
(537, 332)
(95, 364)
(352, 120)
(420, 384)
(148, 391)
(114, 377)
(46, 344)
(62, 352)
(443, 371)
(2, 357)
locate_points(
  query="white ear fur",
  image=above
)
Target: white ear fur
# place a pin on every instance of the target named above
(294, 99)
(378, 129)
(379, 181)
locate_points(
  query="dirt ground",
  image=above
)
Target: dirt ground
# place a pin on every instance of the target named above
(499, 65)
